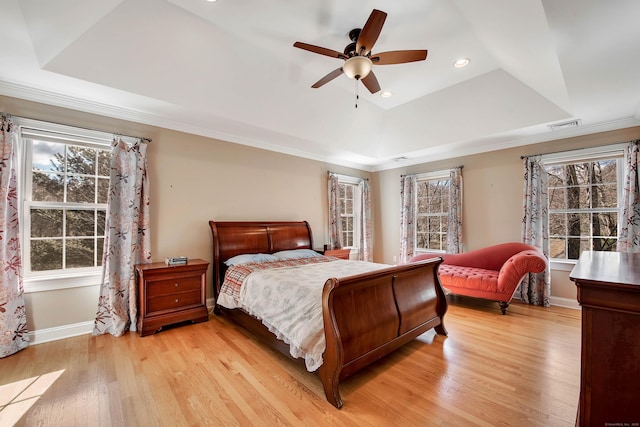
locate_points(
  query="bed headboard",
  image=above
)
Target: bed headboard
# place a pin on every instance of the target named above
(253, 237)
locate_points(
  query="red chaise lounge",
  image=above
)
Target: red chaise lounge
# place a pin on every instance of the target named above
(492, 273)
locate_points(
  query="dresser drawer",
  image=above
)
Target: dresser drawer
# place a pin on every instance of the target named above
(174, 301)
(157, 288)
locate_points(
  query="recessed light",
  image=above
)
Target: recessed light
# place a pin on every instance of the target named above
(211, 1)
(461, 63)
(386, 94)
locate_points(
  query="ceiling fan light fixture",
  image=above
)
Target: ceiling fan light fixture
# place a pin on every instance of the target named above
(357, 67)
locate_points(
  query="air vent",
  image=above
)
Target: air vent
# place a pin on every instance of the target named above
(571, 124)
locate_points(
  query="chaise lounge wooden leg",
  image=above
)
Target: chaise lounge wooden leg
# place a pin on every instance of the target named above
(503, 306)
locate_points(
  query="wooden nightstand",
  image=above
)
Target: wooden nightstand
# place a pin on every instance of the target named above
(338, 253)
(171, 294)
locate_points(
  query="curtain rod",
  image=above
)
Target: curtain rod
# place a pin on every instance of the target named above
(578, 149)
(79, 127)
(357, 177)
(454, 167)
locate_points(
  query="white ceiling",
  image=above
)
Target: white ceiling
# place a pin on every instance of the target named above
(228, 70)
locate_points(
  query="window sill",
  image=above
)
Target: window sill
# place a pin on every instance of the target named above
(562, 265)
(57, 282)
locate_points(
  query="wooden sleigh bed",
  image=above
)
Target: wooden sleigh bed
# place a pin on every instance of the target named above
(365, 316)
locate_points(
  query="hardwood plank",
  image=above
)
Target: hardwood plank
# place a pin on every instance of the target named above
(522, 369)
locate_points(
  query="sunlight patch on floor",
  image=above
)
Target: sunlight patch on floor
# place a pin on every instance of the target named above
(17, 397)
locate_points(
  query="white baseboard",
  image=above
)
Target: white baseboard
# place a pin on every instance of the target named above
(67, 331)
(59, 332)
(564, 302)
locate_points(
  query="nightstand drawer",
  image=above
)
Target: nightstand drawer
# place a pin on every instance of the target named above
(159, 288)
(173, 301)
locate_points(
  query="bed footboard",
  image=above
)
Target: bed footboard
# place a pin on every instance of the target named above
(370, 315)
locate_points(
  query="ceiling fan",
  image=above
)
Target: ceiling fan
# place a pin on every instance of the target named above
(357, 56)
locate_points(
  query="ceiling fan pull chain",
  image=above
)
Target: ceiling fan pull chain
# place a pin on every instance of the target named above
(357, 96)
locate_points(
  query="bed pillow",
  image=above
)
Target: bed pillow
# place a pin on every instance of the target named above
(245, 258)
(296, 253)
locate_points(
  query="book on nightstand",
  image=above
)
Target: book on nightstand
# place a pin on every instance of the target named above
(178, 260)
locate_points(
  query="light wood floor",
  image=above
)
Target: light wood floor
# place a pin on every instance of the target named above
(522, 369)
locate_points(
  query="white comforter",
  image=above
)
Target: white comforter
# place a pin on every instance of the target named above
(289, 302)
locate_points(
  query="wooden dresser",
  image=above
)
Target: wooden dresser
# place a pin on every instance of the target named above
(171, 294)
(609, 292)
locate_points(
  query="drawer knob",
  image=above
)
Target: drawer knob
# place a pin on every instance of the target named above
(176, 285)
(176, 299)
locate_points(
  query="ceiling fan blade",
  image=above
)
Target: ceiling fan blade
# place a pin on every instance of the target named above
(370, 32)
(371, 82)
(321, 50)
(326, 79)
(398, 57)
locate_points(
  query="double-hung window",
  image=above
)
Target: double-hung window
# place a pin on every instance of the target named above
(64, 187)
(585, 189)
(432, 211)
(349, 195)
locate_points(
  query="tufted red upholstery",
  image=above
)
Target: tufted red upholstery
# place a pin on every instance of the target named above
(492, 273)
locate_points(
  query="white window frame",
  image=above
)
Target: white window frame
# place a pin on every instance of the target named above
(588, 155)
(427, 176)
(44, 131)
(351, 180)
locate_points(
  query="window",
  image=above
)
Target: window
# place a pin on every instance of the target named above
(64, 187)
(584, 204)
(349, 195)
(347, 213)
(432, 211)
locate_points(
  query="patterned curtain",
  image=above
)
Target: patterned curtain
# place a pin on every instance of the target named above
(454, 221)
(335, 221)
(127, 242)
(629, 239)
(408, 190)
(13, 316)
(536, 287)
(365, 224)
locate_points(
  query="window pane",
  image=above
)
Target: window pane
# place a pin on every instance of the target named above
(606, 171)
(605, 224)
(103, 190)
(79, 253)
(47, 187)
(81, 160)
(608, 245)
(46, 223)
(443, 224)
(434, 225)
(605, 196)
(557, 198)
(104, 160)
(80, 223)
(101, 222)
(81, 189)
(48, 156)
(421, 240)
(574, 247)
(557, 247)
(558, 224)
(46, 255)
(556, 176)
(99, 251)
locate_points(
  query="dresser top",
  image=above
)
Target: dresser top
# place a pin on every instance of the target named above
(607, 267)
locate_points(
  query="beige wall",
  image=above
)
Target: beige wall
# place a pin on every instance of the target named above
(194, 179)
(492, 199)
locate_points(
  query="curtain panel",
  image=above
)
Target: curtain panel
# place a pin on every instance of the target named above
(454, 220)
(408, 190)
(335, 221)
(127, 242)
(14, 335)
(629, 238)
(536, 287)
(366, 236)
